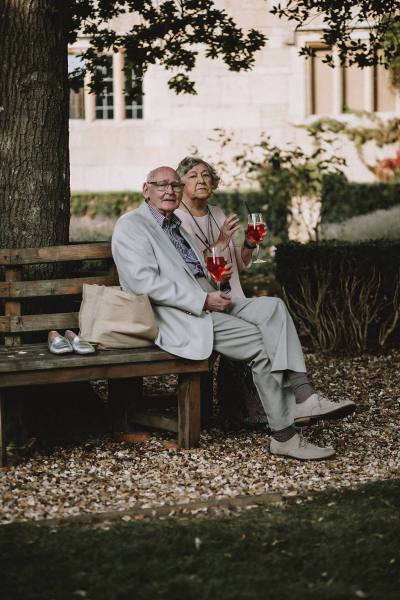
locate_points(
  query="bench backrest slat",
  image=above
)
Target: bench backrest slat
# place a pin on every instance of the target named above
(53, 287)
(44, 322)
(21, 300)
(54, 254)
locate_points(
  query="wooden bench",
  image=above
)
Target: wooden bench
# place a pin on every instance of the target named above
(23, 363)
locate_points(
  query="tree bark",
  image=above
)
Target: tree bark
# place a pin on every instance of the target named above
(34, 161)
(34, 153)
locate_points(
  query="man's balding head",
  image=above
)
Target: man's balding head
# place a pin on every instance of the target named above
(163, 189)
(154, 174)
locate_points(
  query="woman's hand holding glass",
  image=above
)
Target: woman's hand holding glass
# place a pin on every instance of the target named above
(255, 233)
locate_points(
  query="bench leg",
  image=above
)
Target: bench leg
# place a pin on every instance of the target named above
(3, 451)
(189, 410)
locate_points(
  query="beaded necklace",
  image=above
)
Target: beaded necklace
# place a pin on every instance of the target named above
(210, 221)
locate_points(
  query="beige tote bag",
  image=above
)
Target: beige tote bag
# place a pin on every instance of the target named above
(112, 318)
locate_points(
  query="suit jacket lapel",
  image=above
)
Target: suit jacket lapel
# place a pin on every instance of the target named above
(198, 254)
(164, 240)
(193, 246)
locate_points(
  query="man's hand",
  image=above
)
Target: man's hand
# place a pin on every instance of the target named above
(227, 273)
(217, 301)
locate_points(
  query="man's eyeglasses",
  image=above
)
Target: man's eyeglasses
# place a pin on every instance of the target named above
(162, 186)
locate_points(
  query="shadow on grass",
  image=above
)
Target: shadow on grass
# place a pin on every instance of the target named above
(340, 545)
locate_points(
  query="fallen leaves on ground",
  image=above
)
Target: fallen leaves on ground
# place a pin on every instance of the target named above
(104, 475)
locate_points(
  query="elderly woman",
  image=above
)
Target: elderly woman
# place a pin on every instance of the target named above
(209, 226)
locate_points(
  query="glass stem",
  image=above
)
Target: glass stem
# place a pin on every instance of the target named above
(257, 251)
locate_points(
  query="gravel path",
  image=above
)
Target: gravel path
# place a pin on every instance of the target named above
(103, 476)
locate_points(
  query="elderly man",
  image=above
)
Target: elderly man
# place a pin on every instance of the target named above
(154, 256)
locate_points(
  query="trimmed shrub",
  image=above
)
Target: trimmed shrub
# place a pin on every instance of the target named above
(254, 201)
(342, 296)
(239, 202)
(377, 225)
(104, 204)
(343, 199)
(114, 204)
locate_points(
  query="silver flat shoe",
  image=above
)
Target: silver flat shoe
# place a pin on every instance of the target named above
(58, 344)
(79, 345)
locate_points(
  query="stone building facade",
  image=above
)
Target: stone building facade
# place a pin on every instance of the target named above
(114, 142)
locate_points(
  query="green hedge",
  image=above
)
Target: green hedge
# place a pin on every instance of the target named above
(255, 201)
(112, 205)
(105, 204)
(343, 199)
(343, 296)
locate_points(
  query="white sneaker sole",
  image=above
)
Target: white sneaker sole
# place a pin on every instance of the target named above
(338, 413)
(326, 457)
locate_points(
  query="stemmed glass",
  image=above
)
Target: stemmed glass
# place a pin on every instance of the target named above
(216, 263)
(256, 231)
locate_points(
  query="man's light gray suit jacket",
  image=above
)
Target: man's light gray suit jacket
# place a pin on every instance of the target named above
(148, 263)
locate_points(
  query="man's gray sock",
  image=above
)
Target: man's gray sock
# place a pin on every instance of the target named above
(283, 435)
(301, 386)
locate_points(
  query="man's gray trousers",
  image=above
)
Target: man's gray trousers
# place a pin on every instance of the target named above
(260, 332)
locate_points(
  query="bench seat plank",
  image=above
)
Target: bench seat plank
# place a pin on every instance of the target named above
(101, 371)
(37, 357)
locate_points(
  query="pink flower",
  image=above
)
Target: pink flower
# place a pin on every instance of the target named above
(387, 168)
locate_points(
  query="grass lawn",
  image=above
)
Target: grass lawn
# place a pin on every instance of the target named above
(338, 545)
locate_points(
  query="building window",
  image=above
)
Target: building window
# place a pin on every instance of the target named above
(133, 108)
(384, 94)
(105, 100)
(76, 98)
(353, 86)
(321, 81)
(358, 89)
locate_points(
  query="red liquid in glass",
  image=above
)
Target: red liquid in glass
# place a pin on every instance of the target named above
(256, 233)
(216, 267)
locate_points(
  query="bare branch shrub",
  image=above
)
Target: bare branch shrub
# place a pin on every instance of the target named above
(336, 310)
(391, 322)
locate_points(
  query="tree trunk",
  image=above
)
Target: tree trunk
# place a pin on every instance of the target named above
(34, 160)
(34, 154)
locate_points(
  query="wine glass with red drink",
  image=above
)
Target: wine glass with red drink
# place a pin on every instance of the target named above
(216, 263)
(256, 231)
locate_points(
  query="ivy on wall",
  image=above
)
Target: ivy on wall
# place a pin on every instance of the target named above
(391, 46)
(372, 128)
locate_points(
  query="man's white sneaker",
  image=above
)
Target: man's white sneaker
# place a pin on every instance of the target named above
(300, 448)
(317, 407)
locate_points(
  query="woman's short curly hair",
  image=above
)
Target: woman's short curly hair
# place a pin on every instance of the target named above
(189, 162)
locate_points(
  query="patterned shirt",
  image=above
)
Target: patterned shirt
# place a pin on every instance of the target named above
(171, 228)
